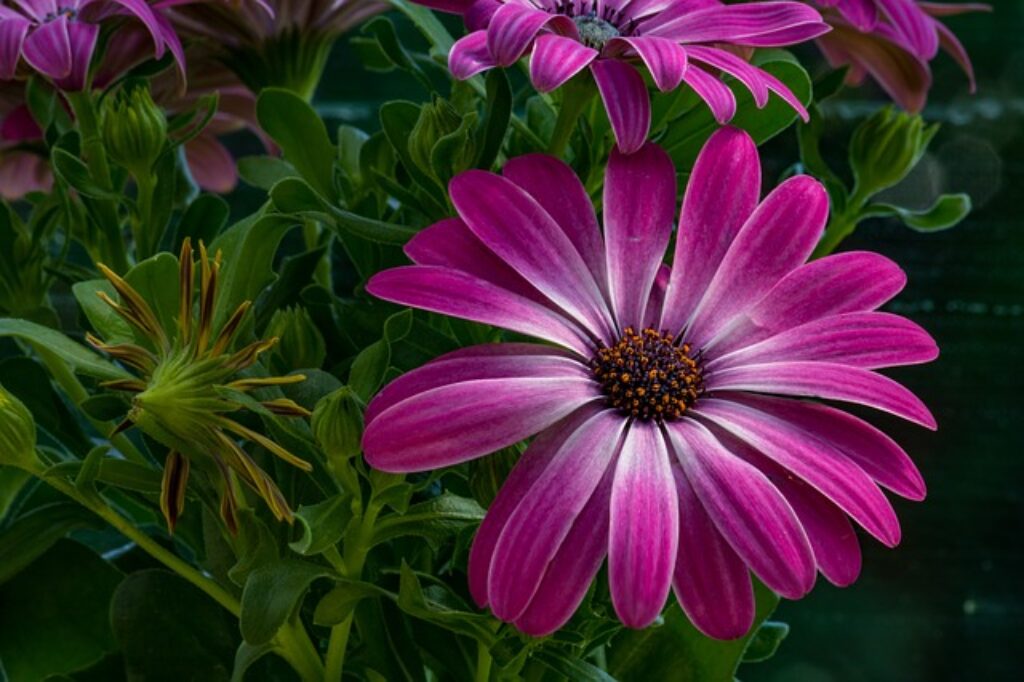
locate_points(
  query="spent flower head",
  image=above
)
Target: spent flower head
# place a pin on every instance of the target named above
(190, 380)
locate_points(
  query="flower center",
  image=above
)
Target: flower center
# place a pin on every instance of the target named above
(69, 12)
(595, 31)
(647, 375)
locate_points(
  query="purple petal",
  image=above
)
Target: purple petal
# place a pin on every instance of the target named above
(518, 229)
(861, 13)
(914, 25)
(470, 55)
(556, 59)
(712, 90)
(455, 293)
(554, 185)
(827, 381)
(656, 302)
(644, 527)
(626, 101)
(758, 81)
(487, 361)
(847, 282)
(512, 29)
(711, 582)
(639, 201)
(665, 59)
(22, 172)
(541, 522)
(451, 244)
(458, 422)
(450, 6)
(954, 48)
(83, 44)
(749, 512)
(778, 237)
(722, 192)
(877, 454)
(211, 164)
(570, 573)
(761, 24)
(867, 340)
(12, 36)
(816, 462)
(48, 48)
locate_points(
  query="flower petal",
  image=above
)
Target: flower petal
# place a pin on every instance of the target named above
(761, 24)
(819, 464)
(749, 512)
(458, 294)
(861, 13)
(544, 518)
(12, 36)
(639, 201)
(868, 340)
(777, 238)
(211, 164)
(556, 59)
(711, 582)
(518, 229)
(486, 361)
(48, 48)
(758, 81)
(644, 530)
(458, 422)
(828, 381)
(914, 25)
(83, 39)
(512, 29)
(626, 101)
(554, 185)
(722, 192)
(847, 282)
(714, 92)
(470, 55)
(665, 59)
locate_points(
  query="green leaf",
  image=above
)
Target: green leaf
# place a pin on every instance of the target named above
(572, 667)
(322, 525)
(12, 482)
(427, 23)
(79, 358)
(54, 618)
(398, 119)
(339, 603)
(246, 657)
(766, 641)
(945, 213)
(264, 172)
(75, 173)
(110, 326)
(369, 368)
(32, 534)
(170, 631)
(677, 651)
(497, 115)
(203, 220)
(156, 280)
(438, 606)
(350, 147)
(302, 136)
(434, 520)
(272, 594)
(686, 136)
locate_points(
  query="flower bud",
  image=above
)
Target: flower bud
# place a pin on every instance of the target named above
(300, 344)
(338, 424)
(441, 142)
(885, 148)
(134, 129)
(17, 432)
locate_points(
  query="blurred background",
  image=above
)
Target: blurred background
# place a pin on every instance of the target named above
(948, 604)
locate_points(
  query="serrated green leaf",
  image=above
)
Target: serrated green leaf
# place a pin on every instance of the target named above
(766, 641)
(272, 594)
(79, 358)
(322, 525)
(945, 213)
(434, 520)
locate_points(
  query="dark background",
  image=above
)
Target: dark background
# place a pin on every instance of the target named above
(948, 604)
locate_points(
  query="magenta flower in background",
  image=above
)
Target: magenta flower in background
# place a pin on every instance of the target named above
(24, 166)
(678, 41)
(58, 38)
(893, 42)
(679, 433)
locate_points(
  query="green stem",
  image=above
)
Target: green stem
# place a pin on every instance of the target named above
(575, 96)
(293, 644)
(96, 159)
(483, 663)
(146, 241)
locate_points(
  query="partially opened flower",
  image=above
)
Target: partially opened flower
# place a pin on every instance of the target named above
(190, 381)
(893, 42)
(677, 41)
(680, 428)
(58, 38)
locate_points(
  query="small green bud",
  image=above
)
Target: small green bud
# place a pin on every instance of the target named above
(338, 424)
(300, 344)
(885, 148)
(441, 142)
(134, 128)
(17, 433)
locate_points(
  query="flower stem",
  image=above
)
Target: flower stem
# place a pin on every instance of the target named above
(575, 96)
(145, 241)
(483, 663)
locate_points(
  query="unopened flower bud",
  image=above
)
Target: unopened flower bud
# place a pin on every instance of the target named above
(441, 142)
(300, 344)
(338, 424)
(17, 432)
(134, 129)
(885, 148)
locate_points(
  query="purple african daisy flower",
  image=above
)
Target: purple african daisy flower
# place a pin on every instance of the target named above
(679, 41)
(675, 436)
(893, 41)
(58, 38)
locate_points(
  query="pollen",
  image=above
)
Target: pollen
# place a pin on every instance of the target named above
(648, 375)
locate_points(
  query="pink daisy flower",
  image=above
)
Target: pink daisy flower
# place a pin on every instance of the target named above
(678, 434)
(58, 38)
(678, 41)
(893, 42)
